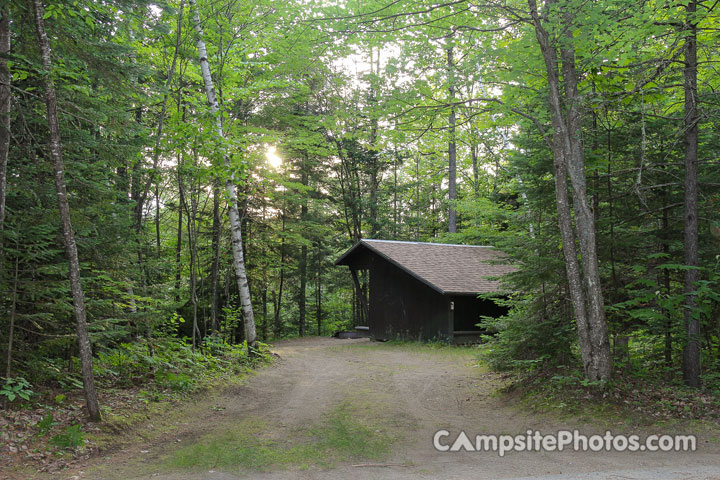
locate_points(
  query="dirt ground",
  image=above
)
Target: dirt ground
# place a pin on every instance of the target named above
(412, 392)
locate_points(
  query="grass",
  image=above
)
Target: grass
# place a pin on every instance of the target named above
(441, 349)
(342, 437)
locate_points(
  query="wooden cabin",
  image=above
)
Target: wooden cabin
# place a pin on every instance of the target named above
(426, 291)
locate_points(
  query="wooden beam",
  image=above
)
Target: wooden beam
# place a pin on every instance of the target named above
(451, 320)
(358, 289)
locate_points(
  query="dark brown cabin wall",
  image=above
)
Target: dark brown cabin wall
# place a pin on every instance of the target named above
(469, 308)
(403, 307)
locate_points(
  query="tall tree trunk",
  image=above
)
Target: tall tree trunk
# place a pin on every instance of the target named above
(192, 248)
(417, 197)
(585, 219)
(181, 203)
(302, 303)
(318, 290)
(476, 170)
(302, 310)
(264, 330)
(452, 168)
(215, 269)
(4, 119)
(234, 214)
(374, 150)
(83, 337)
(584, 287)
(178, 247)
(11, 329)
(278, 303)
(666, 278)
(396, 220)
(691, 354)
(157, 221)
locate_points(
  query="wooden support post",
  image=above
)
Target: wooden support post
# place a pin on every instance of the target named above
(358, 290)
(451, 320)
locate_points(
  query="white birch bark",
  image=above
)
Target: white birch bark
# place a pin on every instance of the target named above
(234, 214)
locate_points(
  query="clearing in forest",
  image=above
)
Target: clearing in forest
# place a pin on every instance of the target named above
(331, 409)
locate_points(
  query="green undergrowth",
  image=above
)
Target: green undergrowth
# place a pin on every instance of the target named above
(172, 365)
(139, 381)
(626, 400)
(160, 375)
(345, 435)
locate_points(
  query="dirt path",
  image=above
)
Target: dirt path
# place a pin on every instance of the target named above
(396, 398)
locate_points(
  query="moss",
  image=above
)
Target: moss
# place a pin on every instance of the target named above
(344, 436)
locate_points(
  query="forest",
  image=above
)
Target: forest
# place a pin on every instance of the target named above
(180, 175)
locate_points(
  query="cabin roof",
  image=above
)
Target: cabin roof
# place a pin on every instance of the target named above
(449, 269)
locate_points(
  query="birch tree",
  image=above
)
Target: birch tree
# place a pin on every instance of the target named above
(230, 186)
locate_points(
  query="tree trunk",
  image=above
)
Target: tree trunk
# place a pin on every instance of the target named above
(278, 302)
(68, 235)
(318, 291)
(374, 150)
(11, 329)
(234, 214)
(264, 331)
(666, 280)
(585, 220)
(584, 287)
(215, 269)
(452, 168)
(365, 312)
(4, 119)
(476, 170)
(192, 247)
(302, 304)
(178, 247)
(158, 246)
(691, 353)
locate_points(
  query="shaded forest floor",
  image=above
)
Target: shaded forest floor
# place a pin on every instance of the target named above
(355, 409)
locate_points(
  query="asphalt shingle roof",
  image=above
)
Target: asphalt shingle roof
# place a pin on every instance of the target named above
(450, 269)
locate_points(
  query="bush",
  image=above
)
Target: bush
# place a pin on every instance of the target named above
(524, 340)
(16, 387)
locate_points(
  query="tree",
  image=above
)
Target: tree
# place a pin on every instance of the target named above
(83, 338)
(5, 99)
(585, 286)
(230, 187)
(691, 355)
(452, 150)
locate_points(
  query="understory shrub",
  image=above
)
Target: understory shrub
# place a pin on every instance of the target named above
(525, 340)
(172, 363)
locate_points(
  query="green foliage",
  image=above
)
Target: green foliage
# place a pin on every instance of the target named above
(526, 340)
(177, 382)
(172, 364)
(46, 424)
(16, 388)
(72, 437)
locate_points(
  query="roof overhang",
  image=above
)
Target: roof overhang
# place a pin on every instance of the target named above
(344, 260)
